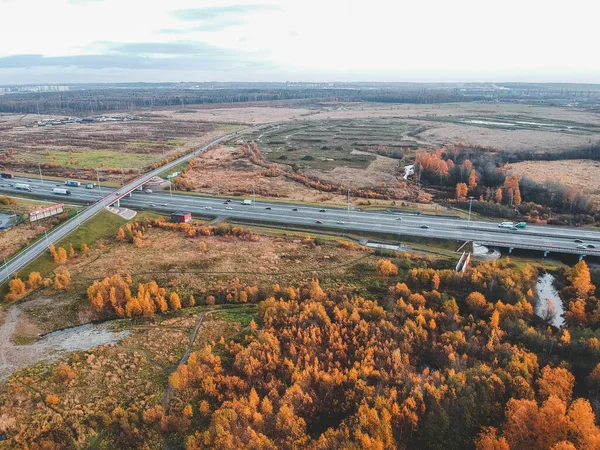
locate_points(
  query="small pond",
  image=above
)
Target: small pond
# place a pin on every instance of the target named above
(545, 290)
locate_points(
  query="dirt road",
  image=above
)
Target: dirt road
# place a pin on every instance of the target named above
(50, 347)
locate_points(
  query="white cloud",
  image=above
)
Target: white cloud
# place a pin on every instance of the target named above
(343, 40)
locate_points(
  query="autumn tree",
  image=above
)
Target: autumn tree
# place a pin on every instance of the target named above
(62, 279)
(174, 301)
(461, 191)
(580, 279)
(71, 251)
(121, 235)
(34, 280)
(386, 268)
(558, 382)
(511, 189)
(84, 249)
(498, 196)
(473, 180)
(476, 300)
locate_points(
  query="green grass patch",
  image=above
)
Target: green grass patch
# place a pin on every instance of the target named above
(102, 225)
(243, 316)
(92, 159)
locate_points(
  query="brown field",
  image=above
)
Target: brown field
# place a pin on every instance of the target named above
(116, 149)
(186, 269)
(14, 238)
(576, 173)
(222, 171)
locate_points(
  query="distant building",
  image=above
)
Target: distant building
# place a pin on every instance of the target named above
(181, 217)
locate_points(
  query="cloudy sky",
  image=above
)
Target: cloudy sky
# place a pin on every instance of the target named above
(62, 41)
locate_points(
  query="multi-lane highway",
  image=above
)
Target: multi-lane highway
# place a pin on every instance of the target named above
(547, 238)
(105, 198)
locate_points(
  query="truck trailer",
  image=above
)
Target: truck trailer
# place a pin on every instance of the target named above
(247, 202)
(72, 183)
(61, 191)
(23, 187)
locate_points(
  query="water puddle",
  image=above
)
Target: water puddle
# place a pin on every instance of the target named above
(545, 290)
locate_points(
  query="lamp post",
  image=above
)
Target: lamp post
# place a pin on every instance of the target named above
(40, 167)
(348, 202)
(253, 197)
(98, 178)
(470, 203)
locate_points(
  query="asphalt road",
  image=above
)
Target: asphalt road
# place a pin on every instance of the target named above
(105, 198)
(539, 237)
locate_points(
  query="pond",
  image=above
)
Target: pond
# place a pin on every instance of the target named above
(545, 290)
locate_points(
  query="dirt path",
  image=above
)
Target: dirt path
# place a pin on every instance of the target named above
(50, 347)
(165, 401)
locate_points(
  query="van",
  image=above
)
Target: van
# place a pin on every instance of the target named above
(506, 225)
(148, 191)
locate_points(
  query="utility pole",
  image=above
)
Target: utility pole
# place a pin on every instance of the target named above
(40, 167)
(253, 197)
(348, 202)
(47, 243)
(170, 190)
(98, 178)
(470, 203)
(78, 219)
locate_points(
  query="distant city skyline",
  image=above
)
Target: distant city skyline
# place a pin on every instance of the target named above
(81, 41)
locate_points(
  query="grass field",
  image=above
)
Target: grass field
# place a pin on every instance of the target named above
(91, 159)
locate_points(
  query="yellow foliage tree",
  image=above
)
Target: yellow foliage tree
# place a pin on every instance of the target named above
(386, 268)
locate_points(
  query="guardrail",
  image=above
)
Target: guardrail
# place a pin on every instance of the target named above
(575, 251)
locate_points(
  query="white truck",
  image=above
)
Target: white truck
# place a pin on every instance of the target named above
(23, 187)
(506, 225)
(246, 202)
(61, 191)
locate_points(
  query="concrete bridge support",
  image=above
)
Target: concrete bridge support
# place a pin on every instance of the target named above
(510, 249)
(581, 257)
(546, 253)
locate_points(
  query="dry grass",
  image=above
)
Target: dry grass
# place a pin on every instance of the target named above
(576, 173)
(15, 238)
(131, 375)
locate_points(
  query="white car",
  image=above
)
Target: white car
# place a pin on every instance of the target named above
(208, 207)
(228, 207)
(163, 204)
(340, 222)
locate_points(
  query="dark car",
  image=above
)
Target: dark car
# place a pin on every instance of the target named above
(579, 241)
(321, 210)
(318, 221)
(591, 246)
(425, 226)
(295, 209)
(226, 202)
(268, 207)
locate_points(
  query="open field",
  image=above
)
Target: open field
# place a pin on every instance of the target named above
(17, 237)
(226, 171)
(133, 373)
(116, 149)
(581, 174)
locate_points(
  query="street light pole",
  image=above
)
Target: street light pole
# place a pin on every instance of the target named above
(98, 178)
(348, 202)
(47, 243)
(253, 197)
(40, 167)
(170, 190)
(470, 203)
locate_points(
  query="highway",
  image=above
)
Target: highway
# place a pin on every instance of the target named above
(536, 237)
(105, 198)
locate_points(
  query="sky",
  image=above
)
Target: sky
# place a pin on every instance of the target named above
(78, 41)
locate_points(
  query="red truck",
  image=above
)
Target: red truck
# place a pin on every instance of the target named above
(6, 175)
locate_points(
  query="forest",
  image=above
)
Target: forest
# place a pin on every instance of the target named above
(85, 99)
(462, 171)
(436, 360)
